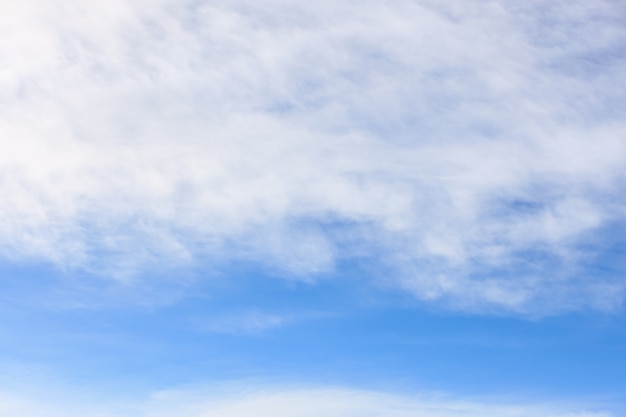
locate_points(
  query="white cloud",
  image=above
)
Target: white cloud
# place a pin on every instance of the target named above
(446, 138)
(238, 401)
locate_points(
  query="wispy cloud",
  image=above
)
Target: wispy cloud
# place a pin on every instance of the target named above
(456, 142)
(246, 323)
(303, 402)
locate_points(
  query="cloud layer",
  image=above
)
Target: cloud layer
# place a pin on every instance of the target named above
(475, 150)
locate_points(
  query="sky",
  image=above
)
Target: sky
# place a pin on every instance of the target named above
(290, 208)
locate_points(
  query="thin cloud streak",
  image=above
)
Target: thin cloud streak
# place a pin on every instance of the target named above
(306, 402)
(247, 323)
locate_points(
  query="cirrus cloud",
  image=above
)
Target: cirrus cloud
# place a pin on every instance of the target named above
(453, 143)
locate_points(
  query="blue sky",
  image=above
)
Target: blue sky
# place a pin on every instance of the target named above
(286, 208)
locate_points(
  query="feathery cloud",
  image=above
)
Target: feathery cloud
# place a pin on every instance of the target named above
(455, 143)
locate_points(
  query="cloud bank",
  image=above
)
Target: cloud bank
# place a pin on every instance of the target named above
(475, 150)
